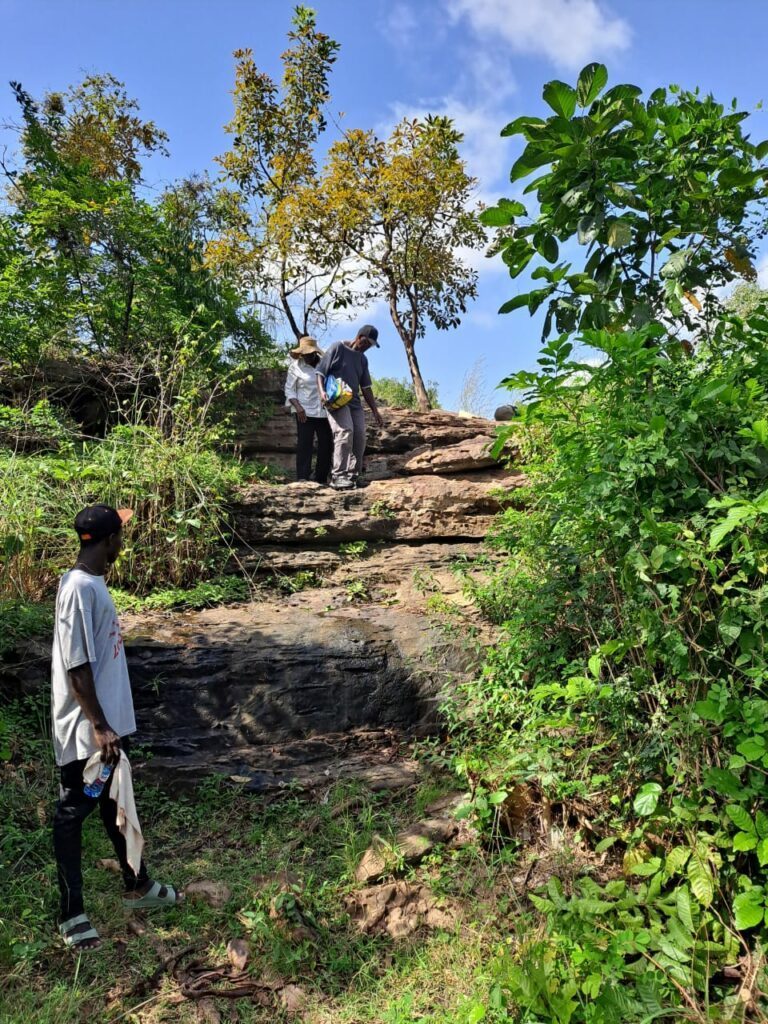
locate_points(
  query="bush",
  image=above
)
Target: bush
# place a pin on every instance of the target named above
(630, 688)
(177, 486)
(399, 394)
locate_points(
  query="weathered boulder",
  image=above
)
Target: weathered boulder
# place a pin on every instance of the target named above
(400, 910)
(419, 508)
(410, 846)
(461, 457)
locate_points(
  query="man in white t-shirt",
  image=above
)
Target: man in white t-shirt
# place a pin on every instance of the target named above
(91, 711)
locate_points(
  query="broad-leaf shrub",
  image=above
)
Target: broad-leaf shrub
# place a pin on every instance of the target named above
(631, 683)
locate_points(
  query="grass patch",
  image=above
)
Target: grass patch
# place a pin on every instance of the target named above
(299, 850)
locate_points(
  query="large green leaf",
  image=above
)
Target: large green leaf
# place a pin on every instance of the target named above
(647, 798)
(676, 264)
(740, 817)
(622, 92)
(529, 160)
(592, 81)
(518, 302)
(748, 908)
(560, 97)
(700, 878)
(588, 227)
(619, 233)
(522, 125)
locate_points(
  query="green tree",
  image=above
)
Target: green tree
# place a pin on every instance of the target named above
(659, 192)
(87, 264)
(398, 211)
(274, 135)
(400, 393)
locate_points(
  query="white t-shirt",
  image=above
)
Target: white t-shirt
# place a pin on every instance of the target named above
(87, 629)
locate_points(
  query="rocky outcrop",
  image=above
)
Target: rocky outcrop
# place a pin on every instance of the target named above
(419, 508)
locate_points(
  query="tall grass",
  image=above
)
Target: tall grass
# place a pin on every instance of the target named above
(177, 487)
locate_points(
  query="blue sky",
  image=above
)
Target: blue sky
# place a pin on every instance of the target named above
(481, 61)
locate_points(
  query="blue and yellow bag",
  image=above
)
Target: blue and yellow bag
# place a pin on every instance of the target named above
(339, 393)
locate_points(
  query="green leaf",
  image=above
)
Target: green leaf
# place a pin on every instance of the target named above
(762, 852)
(619, 233)
(522, 125)
(647, 798)
(548, 248)
(734, 177)
(753, 748)
(723, 782)
(530, 159)
(588, 228)
(595, 664)
(683, 904)
(740, 818)
(622, 92)
(748, 908)
(744, 841)
(516, 303)
(761, 823)
(498, 797)
(494, 217)
(700, 878)
(676, 859)
(503, 213)
(560, 97)
(592, 80)
(676, 264)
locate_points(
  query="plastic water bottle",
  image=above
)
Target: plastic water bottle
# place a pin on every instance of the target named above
(93, 789)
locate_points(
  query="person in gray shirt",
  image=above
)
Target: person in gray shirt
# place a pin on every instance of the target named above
(347, 361)
(91, 712)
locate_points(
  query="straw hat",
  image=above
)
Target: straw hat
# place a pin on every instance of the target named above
(307, 347)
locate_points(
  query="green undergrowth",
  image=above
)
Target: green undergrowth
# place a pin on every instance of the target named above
(627, 699)
(206, 594)
(295, 850)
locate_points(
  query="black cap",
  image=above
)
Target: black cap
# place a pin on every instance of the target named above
(97, 522)
(369, 332)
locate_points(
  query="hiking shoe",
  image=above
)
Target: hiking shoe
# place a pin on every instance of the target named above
(343, 485)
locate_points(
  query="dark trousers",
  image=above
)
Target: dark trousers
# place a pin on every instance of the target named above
(71, 811)
(306, 432)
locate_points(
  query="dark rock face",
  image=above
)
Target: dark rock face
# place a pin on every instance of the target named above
(262, 674)
(262, 690)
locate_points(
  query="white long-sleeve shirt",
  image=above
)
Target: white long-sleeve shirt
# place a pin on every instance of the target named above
(301, 384)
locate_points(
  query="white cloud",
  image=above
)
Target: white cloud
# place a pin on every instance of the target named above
(570, 33)
(762, 272)
(400, 25)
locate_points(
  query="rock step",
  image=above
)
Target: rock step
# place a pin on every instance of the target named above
(404, 431)
(380, 560)
(417, 508)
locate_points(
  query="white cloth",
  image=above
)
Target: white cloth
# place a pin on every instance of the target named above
(121, 791)
(87, 629)
(301, 384)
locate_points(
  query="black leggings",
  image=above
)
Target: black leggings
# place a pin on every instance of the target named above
(72, 809)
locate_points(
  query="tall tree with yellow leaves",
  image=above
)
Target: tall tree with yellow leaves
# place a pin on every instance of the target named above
(274, 134)
(396, 215)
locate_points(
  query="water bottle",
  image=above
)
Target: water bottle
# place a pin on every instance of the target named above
(93, 789)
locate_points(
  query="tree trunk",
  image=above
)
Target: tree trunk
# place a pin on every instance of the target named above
(418, 381)
(422, 398)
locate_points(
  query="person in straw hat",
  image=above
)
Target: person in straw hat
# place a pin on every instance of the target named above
(311, 418)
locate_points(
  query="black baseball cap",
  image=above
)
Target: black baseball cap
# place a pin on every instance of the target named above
(369, 332)
(98, 522)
